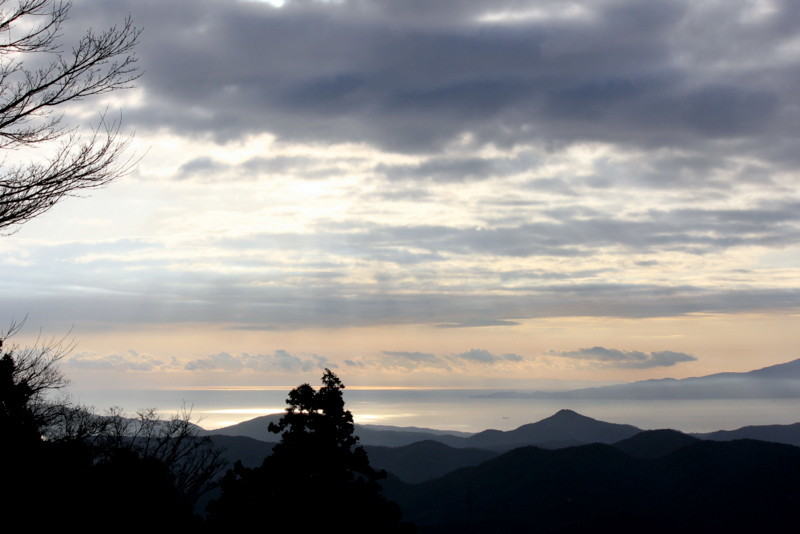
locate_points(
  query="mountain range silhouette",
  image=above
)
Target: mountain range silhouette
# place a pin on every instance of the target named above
(570, 473)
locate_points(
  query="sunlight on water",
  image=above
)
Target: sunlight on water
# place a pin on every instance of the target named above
(246, 411)
(213, 419)
(457, 409)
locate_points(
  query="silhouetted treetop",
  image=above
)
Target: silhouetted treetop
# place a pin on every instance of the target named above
(317, 478)
(317, 419)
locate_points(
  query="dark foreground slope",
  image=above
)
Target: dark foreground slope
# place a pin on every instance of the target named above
(701, 487)
(654, 443)
(424, 460)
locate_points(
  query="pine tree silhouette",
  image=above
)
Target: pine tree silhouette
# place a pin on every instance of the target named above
(317, 477)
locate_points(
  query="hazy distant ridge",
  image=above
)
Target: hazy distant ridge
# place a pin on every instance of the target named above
(378, 435)
(774, 382)
(789, 434)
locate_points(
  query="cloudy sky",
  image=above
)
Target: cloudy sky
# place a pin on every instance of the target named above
(459, 192)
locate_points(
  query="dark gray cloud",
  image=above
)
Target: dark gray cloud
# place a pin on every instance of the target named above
(459, 169)
(232, 300)
(205, 168)
(696, 231)
(625, 359)
(567, 233)
(413, 78)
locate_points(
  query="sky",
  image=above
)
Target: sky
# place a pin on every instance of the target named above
(483, 193)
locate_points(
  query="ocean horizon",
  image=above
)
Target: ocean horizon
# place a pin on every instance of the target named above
(466, 410)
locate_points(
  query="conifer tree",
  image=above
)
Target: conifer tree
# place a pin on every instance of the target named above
(317, 477)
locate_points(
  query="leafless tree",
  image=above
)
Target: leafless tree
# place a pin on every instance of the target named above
(193, 460)
(99, 63)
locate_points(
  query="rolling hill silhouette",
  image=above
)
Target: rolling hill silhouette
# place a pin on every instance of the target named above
(704, 486)
(654, 443)
(624, 480)
(424, 460)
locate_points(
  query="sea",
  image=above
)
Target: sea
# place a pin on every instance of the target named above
(465, 410)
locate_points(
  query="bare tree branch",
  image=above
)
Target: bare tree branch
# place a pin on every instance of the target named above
(99, 63)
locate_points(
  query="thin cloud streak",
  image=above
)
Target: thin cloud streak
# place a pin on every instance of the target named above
(625, 359)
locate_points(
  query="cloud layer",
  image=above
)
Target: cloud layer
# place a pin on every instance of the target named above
(279, 361)
(625, 359)
(411, 76)
(454, 164)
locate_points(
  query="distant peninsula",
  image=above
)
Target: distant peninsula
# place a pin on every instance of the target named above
(774, 382)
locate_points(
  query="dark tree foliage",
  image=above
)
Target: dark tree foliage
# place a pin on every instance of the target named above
(317, 477)
(19, 427)
(317, 435)
(57, 459)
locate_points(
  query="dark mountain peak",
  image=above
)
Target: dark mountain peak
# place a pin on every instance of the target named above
(565, 414)
(565, 418)
(564, 425)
